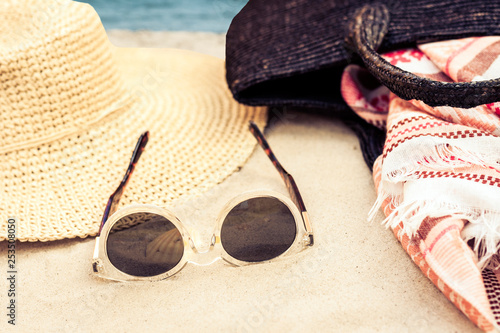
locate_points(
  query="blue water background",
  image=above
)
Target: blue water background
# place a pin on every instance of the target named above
(177, 15)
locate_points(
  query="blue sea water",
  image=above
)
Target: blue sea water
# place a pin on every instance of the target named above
(185, 15)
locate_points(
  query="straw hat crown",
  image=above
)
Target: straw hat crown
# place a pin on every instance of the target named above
(56, 72)
(72, 106)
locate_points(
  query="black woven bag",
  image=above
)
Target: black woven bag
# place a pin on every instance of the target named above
(293, 52)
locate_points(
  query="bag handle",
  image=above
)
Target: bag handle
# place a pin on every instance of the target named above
(365, 35)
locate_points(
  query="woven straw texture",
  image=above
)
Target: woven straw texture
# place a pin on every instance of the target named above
(293, 52)
(72, 107)
(281, 52)
(366, 33)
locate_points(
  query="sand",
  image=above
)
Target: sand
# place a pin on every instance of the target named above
(356, 278)
(203, 42)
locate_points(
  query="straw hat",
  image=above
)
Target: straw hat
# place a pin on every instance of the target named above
(72, 107)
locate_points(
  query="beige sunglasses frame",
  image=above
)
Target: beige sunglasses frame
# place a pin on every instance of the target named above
(105, 269)
(304, 238)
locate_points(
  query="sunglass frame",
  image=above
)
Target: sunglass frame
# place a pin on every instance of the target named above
(103, 267)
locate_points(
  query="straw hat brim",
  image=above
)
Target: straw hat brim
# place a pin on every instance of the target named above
(198, 136)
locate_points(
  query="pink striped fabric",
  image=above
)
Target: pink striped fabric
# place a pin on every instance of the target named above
(438, 179)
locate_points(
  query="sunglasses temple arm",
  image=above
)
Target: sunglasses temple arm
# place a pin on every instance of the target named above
(293, 190)
(114, 199)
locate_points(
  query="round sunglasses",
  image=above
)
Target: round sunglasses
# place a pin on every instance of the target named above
(145, 242)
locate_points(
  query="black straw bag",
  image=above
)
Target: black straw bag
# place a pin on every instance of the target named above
(283, 52)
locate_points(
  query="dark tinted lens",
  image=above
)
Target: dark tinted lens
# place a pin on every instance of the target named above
(144, 244)
(258, 229)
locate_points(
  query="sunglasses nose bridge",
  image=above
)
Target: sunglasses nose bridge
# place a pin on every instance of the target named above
(206, 255)
(205, 258)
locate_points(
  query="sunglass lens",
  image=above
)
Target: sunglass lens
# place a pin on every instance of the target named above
(258, 229)
(144, 244)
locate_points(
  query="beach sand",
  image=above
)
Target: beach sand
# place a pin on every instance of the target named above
(203, 42)
(357, 277)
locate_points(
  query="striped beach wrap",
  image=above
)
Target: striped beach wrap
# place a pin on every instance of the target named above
(438, 179)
